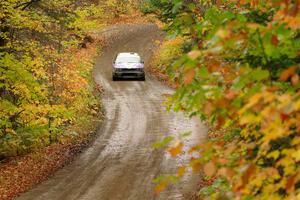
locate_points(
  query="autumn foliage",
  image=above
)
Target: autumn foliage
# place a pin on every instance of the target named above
(241, 74)
(45, 83)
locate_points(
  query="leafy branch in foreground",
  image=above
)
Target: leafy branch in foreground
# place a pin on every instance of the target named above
(242, 75)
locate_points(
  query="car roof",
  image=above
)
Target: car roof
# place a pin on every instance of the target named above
(128, 54)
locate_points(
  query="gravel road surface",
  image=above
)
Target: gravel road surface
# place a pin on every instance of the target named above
(121, 164)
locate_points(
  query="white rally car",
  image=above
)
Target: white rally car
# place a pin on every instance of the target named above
(128, 65)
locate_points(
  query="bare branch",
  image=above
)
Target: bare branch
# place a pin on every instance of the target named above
(26, 4)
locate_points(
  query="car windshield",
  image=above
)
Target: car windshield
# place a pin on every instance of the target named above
(128, 59)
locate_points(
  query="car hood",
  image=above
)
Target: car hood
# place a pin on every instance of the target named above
(128, 65)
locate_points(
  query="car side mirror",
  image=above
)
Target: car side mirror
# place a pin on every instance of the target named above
(143, 62)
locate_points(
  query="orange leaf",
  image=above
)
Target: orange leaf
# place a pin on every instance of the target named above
(176, 149)
(290, 182)
(230, 95)
(210, 169)
(189, 76)
(286, 74)
(161, 186)
(245, 178)
(220, 122)
(194, 148)
(249, 172)
(195, 164)
(284, 116)
(274, 40)
(223, 161)
(295, 80)
(226, 172)
(194, 54)
(208, 108)
(219, 2)
(254, 3)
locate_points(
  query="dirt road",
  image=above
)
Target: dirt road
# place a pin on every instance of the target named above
(121, 164)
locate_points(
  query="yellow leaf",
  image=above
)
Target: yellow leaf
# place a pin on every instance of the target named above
(296, 141)
(273, 132)
(274, 154)
(249, 119)
(157, 42)
(251, 102)
(297, 105)
(296, 155)
(254, 100)
(181, 171)
(223, 33)
(288, 165)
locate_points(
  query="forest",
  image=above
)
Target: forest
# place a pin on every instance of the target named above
(46, 88)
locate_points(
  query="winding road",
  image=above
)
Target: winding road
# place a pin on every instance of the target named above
(121, 164)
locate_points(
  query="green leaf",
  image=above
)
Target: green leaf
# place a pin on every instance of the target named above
(163, 143)
(259, 74)
(185, 134)
(203, 73)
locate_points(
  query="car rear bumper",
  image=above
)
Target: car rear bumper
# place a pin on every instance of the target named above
(129, 74)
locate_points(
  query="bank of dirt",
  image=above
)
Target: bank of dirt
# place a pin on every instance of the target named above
(19, 174)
